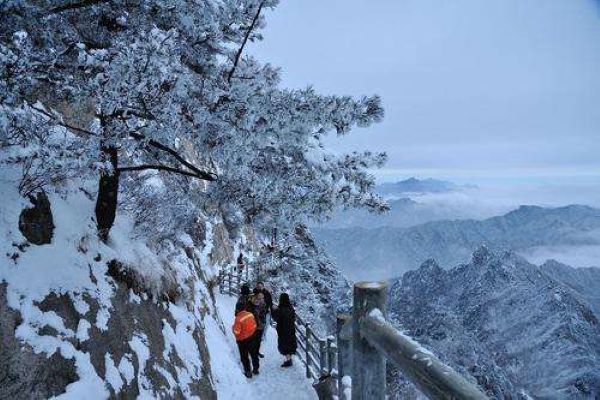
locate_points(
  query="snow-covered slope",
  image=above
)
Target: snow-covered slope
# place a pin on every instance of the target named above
(504, 322)
(387, 252)
(74, 325)
(584, 281)
(83, 319)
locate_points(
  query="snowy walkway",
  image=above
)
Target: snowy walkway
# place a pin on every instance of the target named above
(273, 383)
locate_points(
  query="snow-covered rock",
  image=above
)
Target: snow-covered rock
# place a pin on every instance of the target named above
(585, 281)
(72, 325)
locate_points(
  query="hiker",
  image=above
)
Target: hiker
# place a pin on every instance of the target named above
(285, 316)
(266, 293)
(240, 263)
(244, 329)
(268, 298)
(244, 298)
(259, 309)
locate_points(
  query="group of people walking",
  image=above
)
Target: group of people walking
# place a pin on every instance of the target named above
(253, 311)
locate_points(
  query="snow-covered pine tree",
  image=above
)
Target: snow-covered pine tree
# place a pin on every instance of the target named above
(161, 90)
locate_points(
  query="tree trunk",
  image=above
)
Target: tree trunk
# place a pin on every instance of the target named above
(108, 190)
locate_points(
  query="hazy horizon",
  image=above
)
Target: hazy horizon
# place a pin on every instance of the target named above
(503, 91)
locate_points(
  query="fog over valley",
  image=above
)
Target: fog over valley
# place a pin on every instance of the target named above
(447, 221)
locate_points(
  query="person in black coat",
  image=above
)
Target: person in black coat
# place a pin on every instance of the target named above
(259, 309)
(285, 316)
(260, 287)
(244, 298)
(267, 294)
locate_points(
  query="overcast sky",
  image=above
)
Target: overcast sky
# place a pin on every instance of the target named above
(473, 89)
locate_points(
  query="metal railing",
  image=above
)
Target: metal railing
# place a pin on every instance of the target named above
(363, 343)
(318, 355)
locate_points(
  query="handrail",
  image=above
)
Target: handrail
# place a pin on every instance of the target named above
(423, 368)
(374, 340)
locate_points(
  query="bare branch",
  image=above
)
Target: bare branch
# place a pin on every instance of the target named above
(160, 167)
(63, 124)
(208, 176)
(241, 49)
(77, 5)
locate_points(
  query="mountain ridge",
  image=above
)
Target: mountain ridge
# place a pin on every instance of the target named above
(385, 252)
(415, 185)
(503, 321)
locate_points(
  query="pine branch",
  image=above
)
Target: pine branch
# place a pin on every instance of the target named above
(196, 172)
(61, 123)
(75, 6)
(208, 176)
(241, 49)
(159, 167)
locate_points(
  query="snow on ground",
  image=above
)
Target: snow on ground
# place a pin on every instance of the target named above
(273, 383)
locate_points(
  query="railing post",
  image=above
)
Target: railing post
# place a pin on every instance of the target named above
(344, 345)
(229, 283)
(368, 369)
(331, 354)
(307, 331)
(322, 357)
(220, 278)
(344, 351)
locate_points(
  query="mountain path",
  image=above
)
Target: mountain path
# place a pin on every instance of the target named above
(273, 382)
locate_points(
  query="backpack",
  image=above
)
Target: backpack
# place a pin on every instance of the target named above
(244, 325)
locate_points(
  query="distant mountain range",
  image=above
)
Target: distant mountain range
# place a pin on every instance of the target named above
(414, 185)
(386, 252)
(519, 330)
(406, 206)
(404, 212)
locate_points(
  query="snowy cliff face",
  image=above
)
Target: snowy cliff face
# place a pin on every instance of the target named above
(91, 320)
(505, 323)
(387, 252)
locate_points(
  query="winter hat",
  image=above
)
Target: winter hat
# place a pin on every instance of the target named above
(245, 290)
(284, 299)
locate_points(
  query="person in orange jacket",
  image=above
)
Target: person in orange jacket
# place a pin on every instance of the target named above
(244, 329)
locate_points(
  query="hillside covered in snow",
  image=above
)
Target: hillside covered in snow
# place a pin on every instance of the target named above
(517, 329)
(92, 319)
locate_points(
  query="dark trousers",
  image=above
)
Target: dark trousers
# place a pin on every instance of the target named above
(249, 350)
(258, 335)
